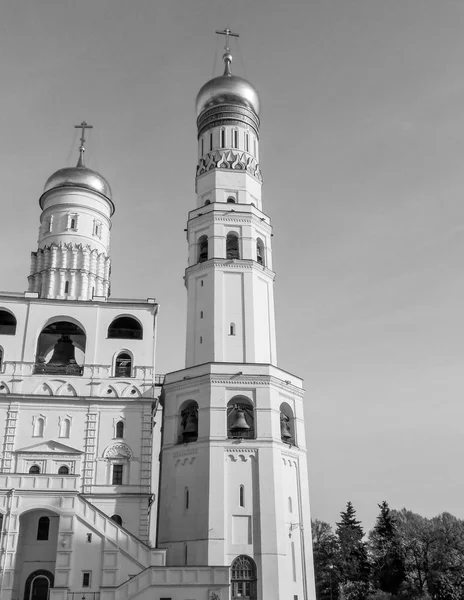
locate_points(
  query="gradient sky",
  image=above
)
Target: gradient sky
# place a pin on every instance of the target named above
(362, 145)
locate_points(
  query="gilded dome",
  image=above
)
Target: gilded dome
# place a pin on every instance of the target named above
(227, 89)
(79, 176)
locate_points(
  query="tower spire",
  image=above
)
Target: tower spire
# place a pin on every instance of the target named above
(83, 126)
(227, 58)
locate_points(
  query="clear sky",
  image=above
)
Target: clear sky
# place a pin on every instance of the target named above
(362, 145)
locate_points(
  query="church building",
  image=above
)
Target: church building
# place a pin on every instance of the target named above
(117, 483)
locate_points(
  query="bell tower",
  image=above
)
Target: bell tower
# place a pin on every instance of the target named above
(234, 486)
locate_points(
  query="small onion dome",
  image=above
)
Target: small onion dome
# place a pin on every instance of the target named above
(79, 176)
(227, 89)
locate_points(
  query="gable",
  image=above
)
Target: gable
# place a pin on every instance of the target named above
(49, 447)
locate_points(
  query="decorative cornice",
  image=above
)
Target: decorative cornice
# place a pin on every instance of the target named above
(229, 160)
(227, 114)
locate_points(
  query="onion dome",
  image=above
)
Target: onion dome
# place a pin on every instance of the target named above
(227, 99)
(227, 89)
(79, 176)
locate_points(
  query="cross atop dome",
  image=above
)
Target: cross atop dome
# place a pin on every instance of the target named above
(227, 56)
(83, 126)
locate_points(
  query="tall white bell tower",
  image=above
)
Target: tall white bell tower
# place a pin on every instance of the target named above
(234, 485)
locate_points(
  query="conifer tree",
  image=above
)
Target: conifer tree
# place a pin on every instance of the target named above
(353, 560)
(388, 569)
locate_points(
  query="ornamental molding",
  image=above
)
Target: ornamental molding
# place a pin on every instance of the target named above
(185, 453)
(117, 451)
(229, 160)
(240, 450)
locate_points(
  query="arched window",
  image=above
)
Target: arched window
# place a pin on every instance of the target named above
(43, 528)
(240, 418)
(64, 470)
(235, 139)
(117, 519)
(223, 138)
(38, 427)
(241, 494)
(7, 323)
(65, 428)
(73, 223)
(125, 328)
(260, 251)
(66, 287)
(203, 248)
(232, 329)
(243, 578)
(207, 202)
(123, 365)
(120, 429)
(34, 470)
(232, 250)
(188, 422)
(287, 424)
(231, 200)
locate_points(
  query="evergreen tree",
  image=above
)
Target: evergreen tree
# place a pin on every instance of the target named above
(353, 560)
(388, 569)
(325, 554)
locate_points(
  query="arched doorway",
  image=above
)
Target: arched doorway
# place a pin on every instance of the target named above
(38, 585)
(243, 578)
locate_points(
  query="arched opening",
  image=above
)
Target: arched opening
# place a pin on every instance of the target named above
(66, 287)
(38, 585)
(64, 470)
(235, 138)
(43, 528)
(120, 429)
(232, 249)
(65, 428)
(242, 496)
(117, 519)
(223, 138)
(207, 202)
(243, 578)
(232, 329)
(38, 428)
(231, 200)
(7, 322)
(287, 424)
(34, 470)
(260, 251)
(240, 418)
(188, 422)
(125, 328)
(61, 349)
(123, 365)
(203, 248)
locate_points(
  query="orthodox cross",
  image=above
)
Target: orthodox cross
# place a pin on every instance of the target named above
(83, 126)
(227, 32)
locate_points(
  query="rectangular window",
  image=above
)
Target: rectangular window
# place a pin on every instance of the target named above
(117, 474)
(201, 314)
(235, 138)
(72, 222)
(97, 228)
(247, 142)
(210, 141)
(202, 147)
(89, 538)
(223, 138)
(86, 579)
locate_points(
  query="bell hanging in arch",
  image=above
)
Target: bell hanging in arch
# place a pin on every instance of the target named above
(239, 423)
(63, 352)
(285, 432)
(190, 423)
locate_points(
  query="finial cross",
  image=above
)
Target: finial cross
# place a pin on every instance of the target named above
(83, 126)
(227, 32)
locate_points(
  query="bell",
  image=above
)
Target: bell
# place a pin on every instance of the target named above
(63, 352)
(190, 424)
(239, 423)
(285, 432)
